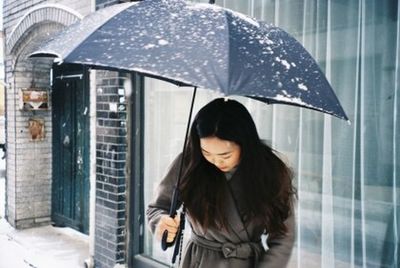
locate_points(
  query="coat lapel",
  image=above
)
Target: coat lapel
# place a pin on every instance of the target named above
(234, 210)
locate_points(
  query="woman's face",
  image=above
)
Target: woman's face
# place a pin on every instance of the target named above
(224, 154)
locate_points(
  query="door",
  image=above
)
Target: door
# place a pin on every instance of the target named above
(70, 106)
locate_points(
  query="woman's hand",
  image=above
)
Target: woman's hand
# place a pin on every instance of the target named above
(169, 224)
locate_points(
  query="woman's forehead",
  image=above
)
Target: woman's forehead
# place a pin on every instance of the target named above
(214, 145)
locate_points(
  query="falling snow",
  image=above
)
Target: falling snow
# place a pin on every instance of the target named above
(163, 42)
(286, 64)
(294, 100)
(302, 87)
(148, 46)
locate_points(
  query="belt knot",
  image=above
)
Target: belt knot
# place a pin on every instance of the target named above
(242, 251)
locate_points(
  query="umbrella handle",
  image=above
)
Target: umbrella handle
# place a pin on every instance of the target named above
(164, 243)
(172, 214)
(179, 239)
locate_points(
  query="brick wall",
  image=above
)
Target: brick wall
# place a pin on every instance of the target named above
(13, 10)
(29, 167)
(28, 162)
(111, 153)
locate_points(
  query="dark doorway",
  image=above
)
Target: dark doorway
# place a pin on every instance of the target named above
(70, 107)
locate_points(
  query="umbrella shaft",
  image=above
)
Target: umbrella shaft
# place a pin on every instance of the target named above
(176, 190)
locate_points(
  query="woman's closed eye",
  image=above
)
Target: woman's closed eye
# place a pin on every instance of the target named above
(224, 157)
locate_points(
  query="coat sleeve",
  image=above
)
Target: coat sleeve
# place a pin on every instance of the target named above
(280, 248)
(160, 204)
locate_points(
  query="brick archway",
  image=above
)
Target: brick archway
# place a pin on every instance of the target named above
(44, 13)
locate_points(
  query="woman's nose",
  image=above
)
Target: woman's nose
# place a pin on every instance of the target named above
(217, 162)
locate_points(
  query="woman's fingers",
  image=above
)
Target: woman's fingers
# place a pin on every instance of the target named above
(166, 223)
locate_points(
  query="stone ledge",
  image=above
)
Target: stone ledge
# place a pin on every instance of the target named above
(32, 222)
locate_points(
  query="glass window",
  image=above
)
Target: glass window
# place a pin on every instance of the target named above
(346, 174)
(166, 114)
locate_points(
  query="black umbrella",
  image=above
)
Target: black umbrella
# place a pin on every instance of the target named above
(201, 45)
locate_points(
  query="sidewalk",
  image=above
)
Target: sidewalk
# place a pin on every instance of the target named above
(42, 247)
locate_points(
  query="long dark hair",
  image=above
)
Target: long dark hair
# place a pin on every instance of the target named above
(265, 179)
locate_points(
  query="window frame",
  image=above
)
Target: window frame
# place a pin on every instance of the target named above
(135, 172)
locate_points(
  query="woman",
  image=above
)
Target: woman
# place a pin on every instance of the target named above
(234, 189)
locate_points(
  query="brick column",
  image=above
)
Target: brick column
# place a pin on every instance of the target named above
(111, 152)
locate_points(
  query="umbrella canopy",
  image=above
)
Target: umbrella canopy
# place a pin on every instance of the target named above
(201, 45)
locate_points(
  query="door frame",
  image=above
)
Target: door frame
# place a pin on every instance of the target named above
(68, 72)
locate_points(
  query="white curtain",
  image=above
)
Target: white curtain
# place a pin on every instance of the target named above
(347, 214)
(346, 174)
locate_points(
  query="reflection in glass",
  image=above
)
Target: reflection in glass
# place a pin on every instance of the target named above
(346, 175)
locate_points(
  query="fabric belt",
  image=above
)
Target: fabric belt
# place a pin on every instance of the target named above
(230, 250)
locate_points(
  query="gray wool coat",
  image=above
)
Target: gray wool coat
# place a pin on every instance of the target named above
(237, 247)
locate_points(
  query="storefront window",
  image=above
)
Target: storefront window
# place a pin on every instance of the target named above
(346, 174)
(166, 114)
